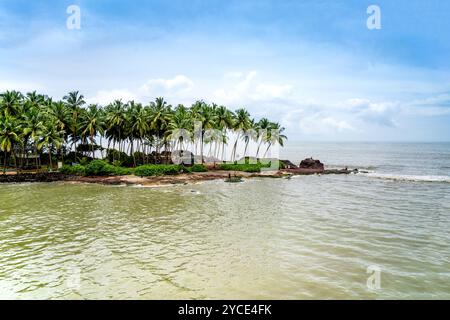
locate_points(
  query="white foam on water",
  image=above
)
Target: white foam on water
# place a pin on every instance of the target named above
(412, 178)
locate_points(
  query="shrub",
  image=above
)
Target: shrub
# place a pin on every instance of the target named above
(117, 163)
(103, 168)
(98, 168)
(113, 155)
(197, 168)
(158, 170)
(84, 161)
(241, 167)
(77, 170)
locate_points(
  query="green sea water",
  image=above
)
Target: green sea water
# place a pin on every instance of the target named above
(309, 237)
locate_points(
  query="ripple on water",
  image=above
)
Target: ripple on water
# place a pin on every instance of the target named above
(308, 237)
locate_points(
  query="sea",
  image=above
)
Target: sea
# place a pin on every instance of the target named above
(382, 233)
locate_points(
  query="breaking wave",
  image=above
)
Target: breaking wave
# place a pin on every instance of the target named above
(412, 178)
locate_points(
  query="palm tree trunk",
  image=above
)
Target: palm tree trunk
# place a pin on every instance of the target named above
(15, 162)
(132, 153)
(234, 148)
(92, 147)
(37, 163)
(246, 147)
(50, 158)
(223, 151)
(257, 151)
(201, 147)
(4, 162)
(267, 150)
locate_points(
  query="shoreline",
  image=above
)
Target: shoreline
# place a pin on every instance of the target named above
(180, 179)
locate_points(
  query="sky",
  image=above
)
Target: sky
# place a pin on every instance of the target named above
(313, 66)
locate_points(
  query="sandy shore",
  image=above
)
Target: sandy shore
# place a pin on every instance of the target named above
(162, 180)
(172, 180)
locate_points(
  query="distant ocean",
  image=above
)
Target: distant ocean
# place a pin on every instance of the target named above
(394, 161)
(383, 234)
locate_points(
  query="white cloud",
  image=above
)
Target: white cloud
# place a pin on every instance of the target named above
(339, 125)
(104, 97)
(318, 124)
(381, 113)
(163, 87)
(22, 86)
(169, 88)
(249, 89)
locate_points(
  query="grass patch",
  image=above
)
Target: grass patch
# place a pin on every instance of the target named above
(76, 170)
(243, 167)
(197, 168)
(96, 168)
(158, 170)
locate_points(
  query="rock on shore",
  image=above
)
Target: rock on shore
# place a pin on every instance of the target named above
(312, 164)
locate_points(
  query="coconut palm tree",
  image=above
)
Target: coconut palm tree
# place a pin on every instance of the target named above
(180, 121)
(207, 117)
(75, 101)
(10, 102)
(10, 132)
(261, 130)
(35, 121)
(115, 120)
(138, 126)
(93, 124)
(224, 122)
(241, 124)
(274, 135)
(161, 114)
(50, 138)
(33, 128)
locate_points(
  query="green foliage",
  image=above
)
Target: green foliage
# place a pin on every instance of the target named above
(243, 167)
(117, 163)
(158, 170)
(103, 168)
(96, 168)
(119, 158)
(84, 161)
(197, 168)
(68, 129)
(77, 170)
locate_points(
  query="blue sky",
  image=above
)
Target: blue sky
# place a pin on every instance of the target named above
(314, 66)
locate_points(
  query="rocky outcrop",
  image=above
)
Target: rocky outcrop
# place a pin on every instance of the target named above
(286, 164)
(312, 165)
(34, 177)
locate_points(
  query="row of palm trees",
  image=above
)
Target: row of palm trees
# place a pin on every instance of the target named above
(34, 124)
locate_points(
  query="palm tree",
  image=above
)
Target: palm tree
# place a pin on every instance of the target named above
(92, 124)
(10, 131)
(74, 100)
(138, 126)
(241, 123)
(115, 120)
(33, 128)
(161, 115)
(180, 121)
(50, 138)
(274, 136)
(35, 121)
(224, 122)
(10, 102)
(249, 135)
(261, 130)
(208, 120)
